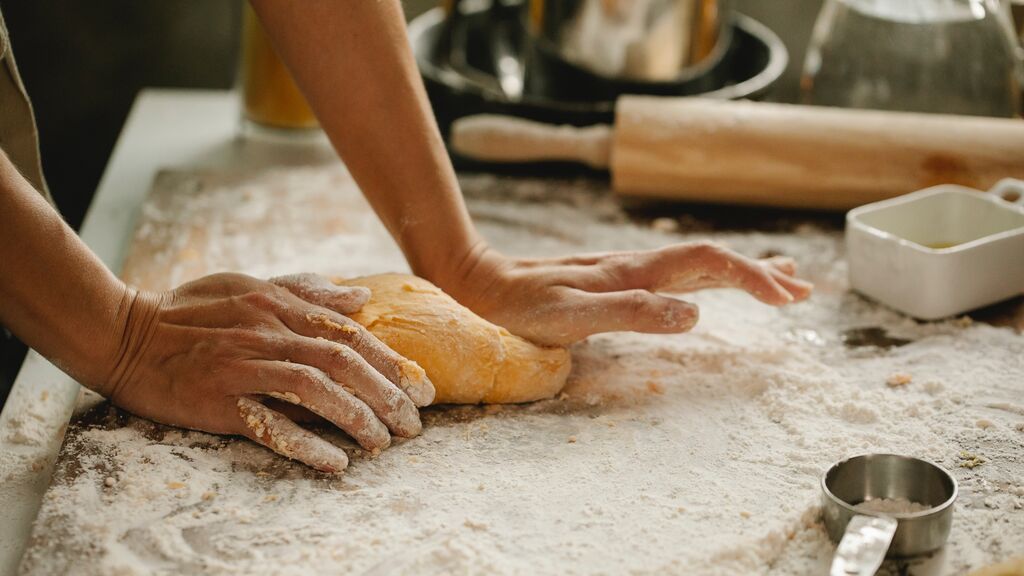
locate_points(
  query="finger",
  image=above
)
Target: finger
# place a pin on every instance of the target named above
(401, 371)
(346, 367)
(271, 429)
(683, 268)
(315, 391)
(637, 310)
(797, 288)
(783, 264)
(701, 265)
(319, 290)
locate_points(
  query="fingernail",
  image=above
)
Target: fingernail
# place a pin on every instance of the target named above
(414, 381)
(407, 420)
(332, 459)
(411, 425)
(681, 315)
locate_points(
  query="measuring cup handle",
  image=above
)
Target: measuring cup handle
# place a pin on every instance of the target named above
(864, 545)
(1010, 190)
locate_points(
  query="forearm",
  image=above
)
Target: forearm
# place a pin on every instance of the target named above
(353, 62)
(55, 294)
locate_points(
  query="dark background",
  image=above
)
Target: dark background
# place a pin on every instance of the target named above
(84, 62)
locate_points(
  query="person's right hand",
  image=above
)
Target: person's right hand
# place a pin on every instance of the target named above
(202, 356)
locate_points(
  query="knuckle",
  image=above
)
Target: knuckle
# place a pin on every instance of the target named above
(307, 378)
(259, 299)
(235, 280)
(620, 266)
(708, 248)
(227, 277)
(638, 303)
(275, 293)
(343, 354)
(293, 279)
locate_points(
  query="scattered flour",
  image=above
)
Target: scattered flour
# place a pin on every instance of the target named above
(696, 453)
(28, 428)
(31, 423)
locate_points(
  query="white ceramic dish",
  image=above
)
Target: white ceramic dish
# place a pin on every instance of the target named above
(940, 251)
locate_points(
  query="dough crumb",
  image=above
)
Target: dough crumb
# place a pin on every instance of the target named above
(571, 440)
(207, 496)
(412, 371)
(175, 485)
(109, 482)
(745, 514)
(326, 322)
(655, 388)
(985, 424)
(898, 379)
(971, 461)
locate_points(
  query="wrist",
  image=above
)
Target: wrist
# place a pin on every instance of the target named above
(130, 334)
(472, 276)
(449, 263)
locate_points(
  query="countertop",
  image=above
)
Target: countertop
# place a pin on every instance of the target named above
(655, 439)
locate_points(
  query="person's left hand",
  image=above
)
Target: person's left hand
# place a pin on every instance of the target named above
(556, 302)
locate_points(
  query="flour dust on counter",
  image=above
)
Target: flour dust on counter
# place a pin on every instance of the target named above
(696, 453)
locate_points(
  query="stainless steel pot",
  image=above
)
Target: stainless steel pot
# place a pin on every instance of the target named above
(638, 40)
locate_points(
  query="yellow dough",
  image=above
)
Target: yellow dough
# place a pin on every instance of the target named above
(468, 359)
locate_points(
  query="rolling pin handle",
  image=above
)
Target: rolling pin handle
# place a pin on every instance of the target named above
(496, 138)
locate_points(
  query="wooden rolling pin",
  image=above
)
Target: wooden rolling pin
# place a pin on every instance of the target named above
(755, 153)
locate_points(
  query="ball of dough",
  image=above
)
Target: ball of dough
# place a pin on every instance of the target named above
(468, 359)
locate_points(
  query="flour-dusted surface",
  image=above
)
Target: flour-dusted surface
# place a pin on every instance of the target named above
(697, 453)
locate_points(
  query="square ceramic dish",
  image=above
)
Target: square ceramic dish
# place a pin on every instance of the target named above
(940, 251)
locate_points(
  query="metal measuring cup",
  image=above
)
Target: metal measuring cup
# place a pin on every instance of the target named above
(866, 538)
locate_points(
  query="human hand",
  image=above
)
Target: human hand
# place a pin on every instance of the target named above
(562, 300)
(202, 356)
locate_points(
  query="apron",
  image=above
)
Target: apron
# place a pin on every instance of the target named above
(18, 136)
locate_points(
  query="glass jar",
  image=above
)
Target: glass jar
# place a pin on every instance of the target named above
(270, 99)
(947, 56)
